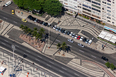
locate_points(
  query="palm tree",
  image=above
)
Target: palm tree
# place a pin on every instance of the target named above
(35, 29)
(58, 45)
(34, 33)
(28, 31)
(22, 26)
(63, 45)
(41, 30)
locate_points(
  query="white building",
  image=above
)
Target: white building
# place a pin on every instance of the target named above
(101, 10)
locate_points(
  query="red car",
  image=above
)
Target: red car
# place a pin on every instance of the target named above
(78, 37)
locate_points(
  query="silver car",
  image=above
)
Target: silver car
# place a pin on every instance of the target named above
(81, 45)
(70, 40)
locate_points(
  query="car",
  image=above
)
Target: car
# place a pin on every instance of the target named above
(29, 17)
(87, 41)
(57, 28)
(12, 11)
(90, 41)
(54, 27)
(35, 20)
(38, 21)
(45, 24)
(73, 35)
(62, 31)
(84, 39)
(41, 22)
(70, 40)
(68, 32)
(24, 20)
(104, 58)
(78, 37)
(65, 31)
(81, 38)
(49, 24)
(81, 45)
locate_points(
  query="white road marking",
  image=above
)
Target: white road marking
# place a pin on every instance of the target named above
(64, 68)
(27, 51)
(81, 51)
(6, 40)
(3, 43)
(48, 65)
(69, 45)
(5, 18)
(51, 62)
(37, 59)
(61, 71)
(39, 56)
(57, 40)
(14, 21)
(93, 56)
(76, 74)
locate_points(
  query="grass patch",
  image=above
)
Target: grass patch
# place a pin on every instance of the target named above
(106, 41)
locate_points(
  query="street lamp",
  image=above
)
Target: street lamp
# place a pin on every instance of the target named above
(13, 48)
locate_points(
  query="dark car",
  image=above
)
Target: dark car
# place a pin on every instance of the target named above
(104, 58)
(30, 17)
(62, 30)
(68, 32)
(84, 39)
(38, 21)
(41, 22)
(45, 24)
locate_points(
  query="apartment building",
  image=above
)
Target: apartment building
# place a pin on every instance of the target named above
(103, 11)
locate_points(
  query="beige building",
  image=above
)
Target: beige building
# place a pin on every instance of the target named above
(97, 10)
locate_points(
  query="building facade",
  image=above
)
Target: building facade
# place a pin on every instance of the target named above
(103, 11)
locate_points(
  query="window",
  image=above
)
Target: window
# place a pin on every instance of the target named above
(98, 0)
(87, 9)
(108, 10)
(108, 4)
(96, 9)
(109, 7)
(96, 6)
(88, 0)
(109, 0)
(112, 22)
(86, 6)
(108, 20)
(108, 17)
(103, 2)
(95, 3)
(108, 14)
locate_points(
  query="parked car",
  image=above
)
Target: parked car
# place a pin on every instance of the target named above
(68, 32)
(90, 41)
(87, 41)
(57, 28)
(38, 21)
(65, 31)
(104, 58)
(35, 20)
(81, 38)
(81, 45)
(73, 35)
(70, 40)
(49, 24)
(78, 37)
(62, 31)
(84, 39)
(54, 27)
(45, 24)
(8, 3)
(41, 22)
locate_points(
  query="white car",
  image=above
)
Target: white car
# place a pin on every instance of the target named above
(71, 33)
(54, 27)
(70, 40)
(81, 45)
(90, 41)
(81, 38)
(76, 36)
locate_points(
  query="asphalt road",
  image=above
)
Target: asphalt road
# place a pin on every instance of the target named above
(93, 54)
(40, 59)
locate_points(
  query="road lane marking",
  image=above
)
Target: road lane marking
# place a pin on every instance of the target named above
(81, 51)
(27, 51)
(51, 62)
(37, 59)
(76, 74)
(14, 21)
(61, 71)
(48, 65)
(5, 18)
(3, 43)
(64, 68)
(69, 45)
(93, 56)
(57, 40)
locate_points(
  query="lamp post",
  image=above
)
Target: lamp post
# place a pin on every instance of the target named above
(13, 48)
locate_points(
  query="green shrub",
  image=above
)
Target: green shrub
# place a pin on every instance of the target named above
(112, 66)
(107, 64)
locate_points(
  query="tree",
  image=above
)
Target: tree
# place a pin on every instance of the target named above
(41, 31)
(112, 66)
(107, 64)
(34, 33)
(52, 7)
(58, 45)
(25, 29)
(22, 26)
(35, 29)
(63, 45)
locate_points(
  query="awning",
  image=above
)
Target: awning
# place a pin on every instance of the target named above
(105, 27)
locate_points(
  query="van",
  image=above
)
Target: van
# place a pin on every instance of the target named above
(90, 41)
(8, 3)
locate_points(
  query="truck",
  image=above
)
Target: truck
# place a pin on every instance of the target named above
(8, 3)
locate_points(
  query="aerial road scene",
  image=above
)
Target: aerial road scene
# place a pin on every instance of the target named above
(57, 38)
